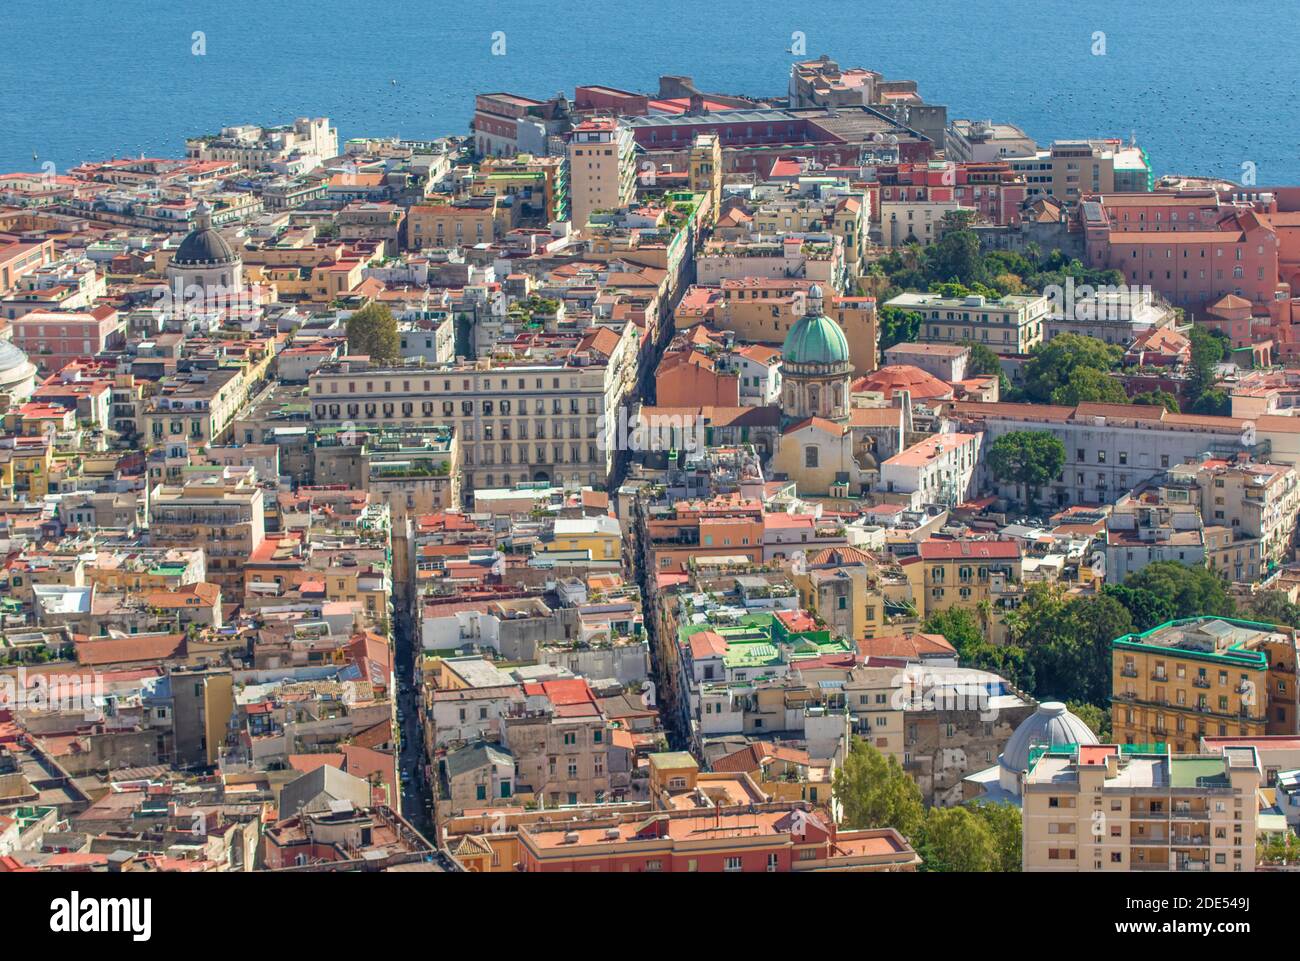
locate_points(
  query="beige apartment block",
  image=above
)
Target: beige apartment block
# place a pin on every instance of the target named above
(1107, 807)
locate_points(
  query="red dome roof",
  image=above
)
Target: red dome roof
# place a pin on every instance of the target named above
(890, 380)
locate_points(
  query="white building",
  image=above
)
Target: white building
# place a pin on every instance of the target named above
(937, 470)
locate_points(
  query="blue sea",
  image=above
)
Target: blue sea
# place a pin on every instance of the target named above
(1204, 86)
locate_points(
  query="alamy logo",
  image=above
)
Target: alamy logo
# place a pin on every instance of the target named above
(1104, 302)
(75, 915)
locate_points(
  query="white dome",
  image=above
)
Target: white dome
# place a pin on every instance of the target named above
(1052, 725)
(15, 369)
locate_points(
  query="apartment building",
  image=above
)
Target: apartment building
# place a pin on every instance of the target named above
(983, 141)
(724, 527)
(561, 744)
(992, 191)
(602, 168)
(1068, 169)
(465, 223)
(845, 216)
(1256, 503)
(1011, 325)
(54, 339)
(514, 421)
(965, 573)
(198, 405)
(1117, 316)
(937, 470)
(221, 510)
(1108, 807)
(1153, 523)
(1111, 448)
(295, 149)
(1203, 677)
(1197, 252)
(768, 838)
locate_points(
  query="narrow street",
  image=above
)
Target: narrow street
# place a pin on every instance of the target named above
(416, 796)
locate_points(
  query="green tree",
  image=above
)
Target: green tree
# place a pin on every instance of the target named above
(1274, 607)
(372, 330)
(982, 362)
(1158, 398)
(1087, 384)
(1052, 364)
(1208, 349)
(898, 326)
(1004, 824)
(1097, 718)
(1070, 646)
(874, 791)
(965, 633)
(1193, 591)
(958, 625)
(1146, 609)
(956, 256)
(1029, 458)
(1212, 403)
(956, 839)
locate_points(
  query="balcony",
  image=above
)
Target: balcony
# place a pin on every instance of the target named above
(1128, 671)
(1148, 814)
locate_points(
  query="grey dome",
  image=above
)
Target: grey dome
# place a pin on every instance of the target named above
(1051, 725)
(203, 247)
(11, 356)
(14, 365)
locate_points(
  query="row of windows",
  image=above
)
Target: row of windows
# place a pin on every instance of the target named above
(466, 384)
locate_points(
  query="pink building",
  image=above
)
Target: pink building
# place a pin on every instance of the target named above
(1196, 248)
(993, 189)
(52, 339)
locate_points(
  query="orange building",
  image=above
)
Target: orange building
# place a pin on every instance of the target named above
(690, 378)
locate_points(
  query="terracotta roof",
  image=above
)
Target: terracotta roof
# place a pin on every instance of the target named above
(898, 377)
(126, 650)
(935, 549)
(912, 647)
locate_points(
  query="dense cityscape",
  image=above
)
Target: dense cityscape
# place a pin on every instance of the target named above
(662, 481)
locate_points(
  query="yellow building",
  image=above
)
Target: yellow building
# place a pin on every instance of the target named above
(1203, 677)
(478, 220)
(31, 463)
(845, 593)
(706, 171)
(969, 574)
(599, 537)
(1105, 807)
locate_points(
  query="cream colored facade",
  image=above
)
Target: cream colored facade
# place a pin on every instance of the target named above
(514, 422)
(1098, 808)
(1011, 325)
(221, 511)
(904, 222)
(602, 168)
(1253, 500)
(872, 695)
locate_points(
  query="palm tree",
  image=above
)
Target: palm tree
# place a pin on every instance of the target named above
(911, 253)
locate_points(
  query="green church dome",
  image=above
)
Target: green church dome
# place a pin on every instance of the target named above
(815, 338)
